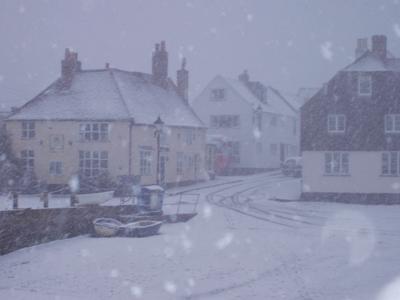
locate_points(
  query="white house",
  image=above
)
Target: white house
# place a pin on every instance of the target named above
(256, 126)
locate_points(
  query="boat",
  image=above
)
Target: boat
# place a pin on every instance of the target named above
(141, 228)
(94, 198)
(107, 227)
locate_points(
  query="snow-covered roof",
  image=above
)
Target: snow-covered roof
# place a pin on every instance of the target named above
(110, 94)
(370, 62)
(275, 103)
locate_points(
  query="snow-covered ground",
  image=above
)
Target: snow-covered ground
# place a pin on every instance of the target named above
(240, 246)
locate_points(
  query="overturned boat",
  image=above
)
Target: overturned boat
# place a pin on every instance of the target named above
(142, 228)
(107, 227)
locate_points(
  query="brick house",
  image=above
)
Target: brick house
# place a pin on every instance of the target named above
(350, 133)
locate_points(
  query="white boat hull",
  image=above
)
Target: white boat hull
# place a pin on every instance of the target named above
(94, 198)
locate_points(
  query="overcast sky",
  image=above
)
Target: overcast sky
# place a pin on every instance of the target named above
(285, 44)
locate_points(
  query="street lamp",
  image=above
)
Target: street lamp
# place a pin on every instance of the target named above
(159, 125)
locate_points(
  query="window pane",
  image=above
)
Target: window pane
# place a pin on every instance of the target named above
(385, 163)
(336, 162)
(393, 163)
(328, 163)
(345, 163)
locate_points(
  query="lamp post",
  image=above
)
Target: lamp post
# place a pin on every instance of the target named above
(159, 125)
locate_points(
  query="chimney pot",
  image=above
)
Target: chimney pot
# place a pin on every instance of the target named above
(244, 77)
(182, 82)
(362, 47)
(107, 65)
(379, 45)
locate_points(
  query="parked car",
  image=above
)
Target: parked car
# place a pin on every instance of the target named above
(292, 166)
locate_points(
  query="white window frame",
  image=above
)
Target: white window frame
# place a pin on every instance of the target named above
(28, 159)
(392, 123)
(94, 132)
(28, 130)
(225, 121)
(218, 94)
(336, 123)
(93, 163)
(273, 148)
(274, 121)
(234, 151)
(146, 157)
(190, 136)
(179, 163)
(362, 79)
(56, 168)
(391, 163)
(337, 163)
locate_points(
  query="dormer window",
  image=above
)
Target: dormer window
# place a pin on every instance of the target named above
(392, 123)
(364, 84)
(218, 94)
(336, 123)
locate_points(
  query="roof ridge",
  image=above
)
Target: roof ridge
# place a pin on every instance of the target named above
(120, 93)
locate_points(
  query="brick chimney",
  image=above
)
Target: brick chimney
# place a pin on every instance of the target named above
(244, 77)
(69, 66)
(182, 81)
(362, 47)
(379, 43)
(160, 64)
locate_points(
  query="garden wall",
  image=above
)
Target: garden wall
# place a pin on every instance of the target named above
(27, 227)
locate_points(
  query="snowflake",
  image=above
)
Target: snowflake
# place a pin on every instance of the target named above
(225, 241)
(21, 9)
(250, 17)
(136, 291)
(326, 50)
(170, 287)
(396, 28)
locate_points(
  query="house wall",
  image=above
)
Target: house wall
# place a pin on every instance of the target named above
(143, 138)
(205, 107)
(251, 154)
(117, 147)
(364, 175)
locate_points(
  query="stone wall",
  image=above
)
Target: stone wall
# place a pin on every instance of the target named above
(27, 227)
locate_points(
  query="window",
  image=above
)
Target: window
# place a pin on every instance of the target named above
(392, 123)
(91, 163)
(94, 132)
(55, 168)
(218, 94)
(224, 121)
(336, 163)
(274, 120)
(390, 163)
(273, 148)
(145, 162)
(336, 123)
(189, 162)
(179, 163)
(28, 130)
(259, 147)
(28, 159)
(189, 136)
(234, 151)
(364, 84)
(258, 121)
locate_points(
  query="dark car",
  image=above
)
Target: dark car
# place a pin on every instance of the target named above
(292, 166)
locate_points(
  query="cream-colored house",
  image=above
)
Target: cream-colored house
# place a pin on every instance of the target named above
(89, 121)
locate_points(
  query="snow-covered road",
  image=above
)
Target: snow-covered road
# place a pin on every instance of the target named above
(240, 246)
